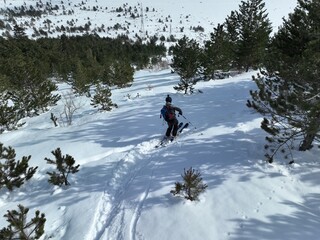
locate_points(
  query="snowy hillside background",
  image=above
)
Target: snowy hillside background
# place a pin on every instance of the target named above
(122, 190)
(160, 18)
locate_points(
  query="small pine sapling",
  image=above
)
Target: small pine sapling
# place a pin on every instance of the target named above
(13, 173)
(192, 185)
(64, 165)
(102, 98)
(19, 228)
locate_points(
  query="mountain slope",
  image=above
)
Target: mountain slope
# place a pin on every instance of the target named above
(112, 18)
(122, 190)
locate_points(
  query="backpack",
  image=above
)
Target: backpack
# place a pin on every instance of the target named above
(167, 113)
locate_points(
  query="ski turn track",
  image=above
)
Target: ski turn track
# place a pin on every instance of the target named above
(137, 213)
(116, 217)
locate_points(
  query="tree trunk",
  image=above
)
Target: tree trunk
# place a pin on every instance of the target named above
(314, 127)
(307, 142)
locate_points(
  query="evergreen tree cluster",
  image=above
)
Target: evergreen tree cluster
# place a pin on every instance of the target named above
(239, 43)
(27, 68)
(288, 86)
(13, 174)
(76, 58)
(288, 90)
(25, 88)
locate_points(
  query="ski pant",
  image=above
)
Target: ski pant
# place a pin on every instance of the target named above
(172, 126)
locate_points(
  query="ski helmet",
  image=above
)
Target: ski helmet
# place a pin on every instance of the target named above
(168, 99)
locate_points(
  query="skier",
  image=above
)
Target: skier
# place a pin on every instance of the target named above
(169, 115)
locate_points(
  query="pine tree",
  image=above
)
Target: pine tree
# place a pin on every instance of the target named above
(232, 25)
(29, 89)
(122, 73)
(64, 165)
(44, 97)
(118, 73)
(13, 173)
(19, 32)
(107, 75)
(288, 92)
(192, 185)
(19, 228)
(249, 29)
(102, 98)
(218, 53)
(186, 63)
(80, 81)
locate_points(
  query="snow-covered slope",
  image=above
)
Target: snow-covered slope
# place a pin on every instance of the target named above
(122, 190)
(113, 17)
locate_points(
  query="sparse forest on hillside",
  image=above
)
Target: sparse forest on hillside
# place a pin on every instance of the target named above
(60, 85)
(240, 43)
(27, 67)
(288, 90)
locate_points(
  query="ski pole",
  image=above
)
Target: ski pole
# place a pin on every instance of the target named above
(189, 121)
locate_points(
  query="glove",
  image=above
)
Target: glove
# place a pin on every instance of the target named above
(180, 112)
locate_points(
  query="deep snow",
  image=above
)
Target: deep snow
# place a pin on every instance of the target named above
(122, 190)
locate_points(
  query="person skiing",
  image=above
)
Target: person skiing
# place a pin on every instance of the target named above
(169, 115)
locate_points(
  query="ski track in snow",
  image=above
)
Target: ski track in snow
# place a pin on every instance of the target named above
(111, 210)
(137, 212)
(109, 220)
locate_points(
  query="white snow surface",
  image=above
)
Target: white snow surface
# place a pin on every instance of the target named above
(122, 191)
(163, 18)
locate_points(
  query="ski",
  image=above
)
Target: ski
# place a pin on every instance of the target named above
(164, 142)
(184, 126)
(180, 125)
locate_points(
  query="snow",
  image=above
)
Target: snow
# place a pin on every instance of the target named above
(122, 190)
(164, 18)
